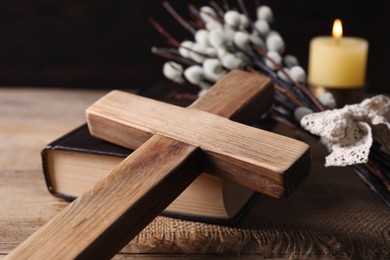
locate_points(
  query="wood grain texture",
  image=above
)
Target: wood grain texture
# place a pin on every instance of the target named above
(260, 160)
(108, 215)
(240, 100)
(100, 222)
(29, 119)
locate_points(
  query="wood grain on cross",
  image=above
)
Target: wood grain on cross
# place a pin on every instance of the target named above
(175, 145)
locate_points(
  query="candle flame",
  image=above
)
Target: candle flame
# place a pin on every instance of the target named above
(337, 31)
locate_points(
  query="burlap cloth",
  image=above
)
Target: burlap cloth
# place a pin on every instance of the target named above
(331, 213)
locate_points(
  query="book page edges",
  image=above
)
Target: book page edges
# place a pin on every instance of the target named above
(207, 197)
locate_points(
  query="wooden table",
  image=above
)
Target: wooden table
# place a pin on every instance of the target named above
(30, 119)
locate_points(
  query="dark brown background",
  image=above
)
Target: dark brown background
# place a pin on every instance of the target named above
(106, 44)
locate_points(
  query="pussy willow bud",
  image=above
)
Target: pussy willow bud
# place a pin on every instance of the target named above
(276, 58)
(262, 27)
(194, 74)
(274, 42)
(202, 37)
(232, 18)
(300, 112)
(230, 61)
(185, 48)
(207, 13)
(265, 13)
(290, 61)
(173, 71)
(213, 69)
(298, 74)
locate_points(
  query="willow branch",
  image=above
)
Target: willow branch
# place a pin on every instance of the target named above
(289, 95)
(257, 4)
(164, 33)
(376, 171)
(170, 56)
(217, 8)
(303, 89)
(179, 18)
(244, 10)
(226, 5)
(282, 120)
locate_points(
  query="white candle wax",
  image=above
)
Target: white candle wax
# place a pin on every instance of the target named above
(337, 63)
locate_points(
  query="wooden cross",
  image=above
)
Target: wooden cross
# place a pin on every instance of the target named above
(175, 145)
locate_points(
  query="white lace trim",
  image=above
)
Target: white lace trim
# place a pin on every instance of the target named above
(348, 132)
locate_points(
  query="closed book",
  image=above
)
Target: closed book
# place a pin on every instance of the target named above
(75, 161)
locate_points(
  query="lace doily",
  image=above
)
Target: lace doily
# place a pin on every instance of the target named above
(348, 133)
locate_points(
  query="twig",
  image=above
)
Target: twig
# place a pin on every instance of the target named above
(194, 10)
(168, 50)
(382, 159)
(245, 11)
(277, 80)
(282, 120)
(289, 95)
(164, 33)
(195, 13)
(284, 101)
(279, 89)
(196, 52)
(373, 183)
(226, 5)
(186, 97)
(170, 56)
(179, 18)
(257, 4)
(372, 167)
(217, 8)
(317, 105)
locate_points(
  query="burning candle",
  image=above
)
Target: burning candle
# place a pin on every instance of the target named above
(337, 62)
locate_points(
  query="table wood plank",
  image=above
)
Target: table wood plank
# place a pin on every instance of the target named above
(29, 119)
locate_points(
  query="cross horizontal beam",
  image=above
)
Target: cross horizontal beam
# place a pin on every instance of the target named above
(261, 160)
